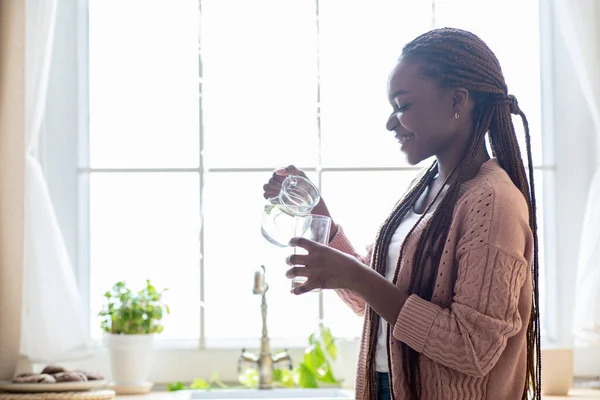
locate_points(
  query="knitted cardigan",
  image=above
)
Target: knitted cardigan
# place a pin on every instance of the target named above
(471, 335)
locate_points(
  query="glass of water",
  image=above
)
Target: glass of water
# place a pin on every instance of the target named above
(315, 228)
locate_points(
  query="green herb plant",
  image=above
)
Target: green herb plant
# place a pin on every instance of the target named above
(127, 312)
(314, 369)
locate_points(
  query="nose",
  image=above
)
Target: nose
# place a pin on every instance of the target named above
(392, 122)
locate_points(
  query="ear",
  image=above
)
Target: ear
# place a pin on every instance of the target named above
(460, 98)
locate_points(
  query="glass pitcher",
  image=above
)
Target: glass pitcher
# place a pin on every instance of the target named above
(297, 197)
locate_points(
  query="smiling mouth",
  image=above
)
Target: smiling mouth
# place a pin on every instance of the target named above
(405, 138)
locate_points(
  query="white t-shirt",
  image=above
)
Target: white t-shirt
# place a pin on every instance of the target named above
(410, 219)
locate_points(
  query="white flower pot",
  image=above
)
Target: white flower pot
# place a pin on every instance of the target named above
(130, 357)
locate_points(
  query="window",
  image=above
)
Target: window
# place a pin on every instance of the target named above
(184, 132)
(192, 104)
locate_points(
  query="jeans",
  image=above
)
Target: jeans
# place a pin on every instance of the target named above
(383, 386)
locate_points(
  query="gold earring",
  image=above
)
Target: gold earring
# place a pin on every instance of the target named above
(456, 115)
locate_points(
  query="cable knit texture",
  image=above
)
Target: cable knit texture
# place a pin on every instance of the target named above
(472, 334)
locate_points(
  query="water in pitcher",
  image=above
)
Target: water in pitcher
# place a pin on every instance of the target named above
(297, 197)
(288, 215)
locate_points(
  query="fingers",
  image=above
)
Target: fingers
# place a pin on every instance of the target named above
(297, 259)
(297, 271)
(277, 178)
(289, 170)
(301, 266)
(304, 243)
(272, 188)
(269, 192)
(305, 288)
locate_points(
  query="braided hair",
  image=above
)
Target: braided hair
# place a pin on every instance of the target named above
(457, 58)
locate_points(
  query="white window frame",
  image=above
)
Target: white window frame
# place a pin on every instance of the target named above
(68, 118)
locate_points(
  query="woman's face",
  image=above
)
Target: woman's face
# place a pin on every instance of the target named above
(423, 118)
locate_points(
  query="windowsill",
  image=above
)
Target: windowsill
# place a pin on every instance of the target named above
(579, 393)
(184, 361)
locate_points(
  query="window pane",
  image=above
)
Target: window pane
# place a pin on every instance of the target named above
(143, 83)
(359, 46)
(234, 249)
(146, 226)
(361, 212)
(260, 82)
(520, 63)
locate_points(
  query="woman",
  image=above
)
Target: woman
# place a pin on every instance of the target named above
(449, 289)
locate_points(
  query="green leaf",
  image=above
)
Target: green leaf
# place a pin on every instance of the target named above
(329, 343)
(249, 379)
(306, 377)
(214, 378)
(318, 355)
(172, 387)
(314, 358)
(199, 383)
(284, 378)
(325, 374)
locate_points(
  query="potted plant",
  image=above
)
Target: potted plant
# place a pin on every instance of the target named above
(130, 321)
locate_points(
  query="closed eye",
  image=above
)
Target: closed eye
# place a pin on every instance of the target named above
(403, 108)
(400, 109)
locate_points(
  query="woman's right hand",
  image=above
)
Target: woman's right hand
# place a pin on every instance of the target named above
(273, 187)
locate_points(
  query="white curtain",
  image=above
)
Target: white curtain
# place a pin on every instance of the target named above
(577, 23)
(53, 324)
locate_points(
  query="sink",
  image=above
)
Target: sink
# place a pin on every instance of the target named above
(226, 394)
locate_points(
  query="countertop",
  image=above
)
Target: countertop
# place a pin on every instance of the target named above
(574, 394)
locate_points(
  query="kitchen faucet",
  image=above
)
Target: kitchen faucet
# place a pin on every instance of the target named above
(265, 362)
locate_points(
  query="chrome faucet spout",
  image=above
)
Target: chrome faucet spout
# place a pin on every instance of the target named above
(265, 361)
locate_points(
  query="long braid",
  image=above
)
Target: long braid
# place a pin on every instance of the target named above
(382, 244)
(534, 328)
(456, 58)
(442, 218)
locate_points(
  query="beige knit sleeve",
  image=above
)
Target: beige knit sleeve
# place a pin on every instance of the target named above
(341, 242)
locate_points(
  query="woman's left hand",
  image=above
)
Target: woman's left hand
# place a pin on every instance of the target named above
(324, 267)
